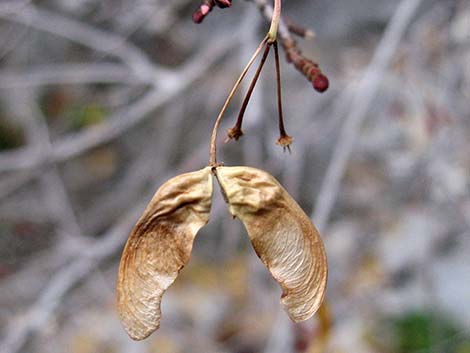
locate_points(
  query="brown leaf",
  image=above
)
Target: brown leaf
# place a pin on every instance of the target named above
(282, 236)
(159, 247)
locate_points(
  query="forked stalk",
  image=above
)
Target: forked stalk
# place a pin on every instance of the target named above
(270, 38)
(213, 145)
(236, 131)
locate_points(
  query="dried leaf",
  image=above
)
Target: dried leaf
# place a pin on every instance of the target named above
(282, 236)
(159, 247)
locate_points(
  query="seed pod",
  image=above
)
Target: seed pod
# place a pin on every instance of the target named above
(282, 236)
(159, 247)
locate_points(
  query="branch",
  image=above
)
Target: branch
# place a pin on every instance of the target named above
(11, 183)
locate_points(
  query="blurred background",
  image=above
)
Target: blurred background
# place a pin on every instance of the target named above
(101, 101)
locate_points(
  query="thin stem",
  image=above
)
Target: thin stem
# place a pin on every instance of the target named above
(213, 147)
(272, 34)
(282, 129)
(238, 126)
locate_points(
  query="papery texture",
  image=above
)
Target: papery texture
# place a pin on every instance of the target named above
(159, 247)
(282, 235)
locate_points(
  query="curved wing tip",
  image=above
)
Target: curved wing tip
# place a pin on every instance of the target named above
(136, 330)
(300, 315)
(137, 335)
(295, 317)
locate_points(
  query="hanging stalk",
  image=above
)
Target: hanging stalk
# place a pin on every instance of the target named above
(213, 143)
(236, 131)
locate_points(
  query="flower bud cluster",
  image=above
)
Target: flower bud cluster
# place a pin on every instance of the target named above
(307, 67)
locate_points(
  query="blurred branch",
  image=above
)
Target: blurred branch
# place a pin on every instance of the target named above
(22, 326)
(117, 124)
(88, 36)
(363, 96)
(56, 198)
(9, 184)
(68, 74)
(75, 144)
(147, 166)
(11, 6)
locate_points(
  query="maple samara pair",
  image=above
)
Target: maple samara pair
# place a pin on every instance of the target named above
(160, 244)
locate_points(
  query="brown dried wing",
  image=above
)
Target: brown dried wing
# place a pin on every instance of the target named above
(159, 247)
(282, 235)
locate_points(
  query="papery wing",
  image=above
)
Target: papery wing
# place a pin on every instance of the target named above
(282, 235)
(158, 248)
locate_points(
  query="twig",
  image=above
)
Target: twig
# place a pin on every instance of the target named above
(287, 26)
(363, 96)
(272, 34)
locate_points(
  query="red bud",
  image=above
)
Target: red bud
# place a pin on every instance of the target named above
(321, 83)
(198, 16)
